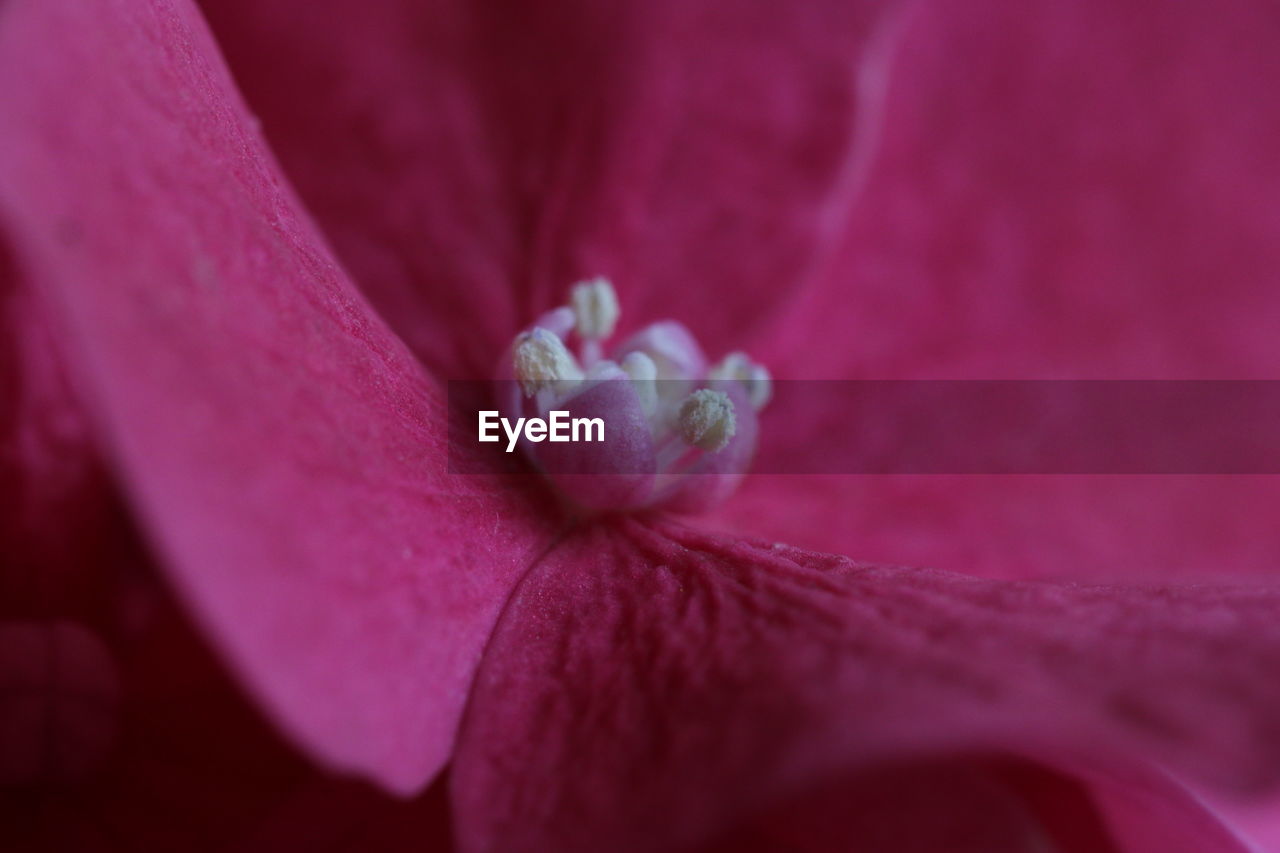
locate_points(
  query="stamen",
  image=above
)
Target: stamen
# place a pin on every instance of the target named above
(603, 369)
(754, 377)
(673, 349)
(676, 435)
(595, 305)
(643, 373)
(707, 420)
(542, 362)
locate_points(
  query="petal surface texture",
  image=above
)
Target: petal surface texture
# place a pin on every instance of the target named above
(691, 151)
(635, 656)
(1094, 195)
(1080, 191)
(285, 452)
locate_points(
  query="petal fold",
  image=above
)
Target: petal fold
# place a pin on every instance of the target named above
(648, 688)
(697, 153)
(285, 453)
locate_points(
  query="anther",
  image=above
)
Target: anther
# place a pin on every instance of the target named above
(542, 361)
(595, 306)
(706, 419)
(754, 377)
(643, 373)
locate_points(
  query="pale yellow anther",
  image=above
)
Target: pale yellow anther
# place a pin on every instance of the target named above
(595, 308)
(754, 377)
(706, 419)
(542, 361)
(643, 373)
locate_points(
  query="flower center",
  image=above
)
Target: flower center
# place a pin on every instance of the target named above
(678, 434)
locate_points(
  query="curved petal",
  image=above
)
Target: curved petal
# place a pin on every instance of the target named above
(1152, 813)
(1103, 528)
(1096, 195)
(188, 764)
(694, 152)
(61, 533)
(957, 805)
(923, 808)
(284, 451)
(1258, 822)
(645, 688)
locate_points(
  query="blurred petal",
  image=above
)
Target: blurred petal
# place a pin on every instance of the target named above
(1105, 528)
(1148, 813)
(188, 765)
(987, 806)
(632, 657)
(191, 765)
(913, 809)
(1258, 822)
(693, 152)
(1058, 190)
(1061, 190)
(284, 451)
(59, 702)
(331, 814)
(62, 540)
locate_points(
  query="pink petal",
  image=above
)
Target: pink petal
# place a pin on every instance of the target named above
(195, 768)
(986, 806)
(282, 448)
(1101, 528)
(1258, 822)
(1061, 190)
(654, 687)
(1096, 194)
(694, 152)
(1157, 815)
(61, 531)
(927, 808)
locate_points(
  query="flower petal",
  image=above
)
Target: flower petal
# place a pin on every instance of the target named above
(986, 806)
(1085, 190)
(693, 152)
(647, 688)
(1104, 528)
(284, 451)
(924, 808)
(61, 536)
(192, 766)
(1096, 195)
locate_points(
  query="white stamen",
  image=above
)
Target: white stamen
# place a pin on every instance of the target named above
(754, 377)
(595, 305)
(643, 372)
(542, 361)
(603, 369)
(707, 420)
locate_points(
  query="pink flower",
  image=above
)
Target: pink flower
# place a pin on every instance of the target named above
(928, 189)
